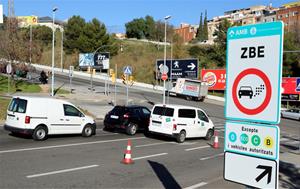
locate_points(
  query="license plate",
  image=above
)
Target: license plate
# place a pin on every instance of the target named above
(114, 116)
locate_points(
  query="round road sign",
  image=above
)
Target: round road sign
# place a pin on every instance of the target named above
(8, 68)
(264, 104)
(164, 77)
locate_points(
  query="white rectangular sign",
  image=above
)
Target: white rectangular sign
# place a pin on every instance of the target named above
(256, 140)
(1, 14)
(251, 171)
(254, 72)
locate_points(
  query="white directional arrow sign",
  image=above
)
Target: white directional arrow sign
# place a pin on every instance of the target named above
(191, 66)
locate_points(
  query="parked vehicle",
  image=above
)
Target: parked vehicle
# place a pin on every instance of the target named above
(245, 91)
(291, 113)
(180, 122)
(41, 117)
(189, 89)
(129, 118)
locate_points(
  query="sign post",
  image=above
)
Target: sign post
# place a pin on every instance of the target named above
(8, 71)
(253, 98)
(71, 72)
(127, 70)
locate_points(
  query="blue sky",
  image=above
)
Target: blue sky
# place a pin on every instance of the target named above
(115, 13)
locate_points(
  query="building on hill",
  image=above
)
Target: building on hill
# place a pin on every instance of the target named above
(290, 15)
(26, 21)
(186, 31)
(212, 26)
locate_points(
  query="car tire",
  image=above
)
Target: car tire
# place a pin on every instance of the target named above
(131, 129)
(40, 133)
(87, 131)
(180, 138)
(209, 134)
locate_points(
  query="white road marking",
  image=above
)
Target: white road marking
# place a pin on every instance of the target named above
(68, 145)
(154, 155)
(154, 144)
(196, 185)
(197, 148)
(187, 143)
(211, 157)
(61, 171)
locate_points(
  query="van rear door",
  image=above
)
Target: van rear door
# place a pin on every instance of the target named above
(16, 113)
(161, 120)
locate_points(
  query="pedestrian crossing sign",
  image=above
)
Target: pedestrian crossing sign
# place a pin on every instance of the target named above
(127, 70)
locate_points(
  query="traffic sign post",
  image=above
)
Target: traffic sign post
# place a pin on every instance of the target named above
(253, 99)
(127, 70)
(254, 69)
(179, 68)
(251, 171)
(8, 71)
(71, 72)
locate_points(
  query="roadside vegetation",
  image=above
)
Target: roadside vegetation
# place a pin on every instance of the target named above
(3, 104)
(17, 86)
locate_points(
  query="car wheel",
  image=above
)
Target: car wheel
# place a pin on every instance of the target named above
(40, 133)
(181, 137)
(209, 134)
(188, 98)
(131, 129)
(87, 131)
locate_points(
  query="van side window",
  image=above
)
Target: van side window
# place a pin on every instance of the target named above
(186, 113)
(163, 111)
(71, 111)
(202, 116)
(18, 105)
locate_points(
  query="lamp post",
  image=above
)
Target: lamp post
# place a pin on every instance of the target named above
(165, 57)
(53, 36)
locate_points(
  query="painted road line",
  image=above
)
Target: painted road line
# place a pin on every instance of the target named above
(197, 148)
(69, 145)
(196, 185)
(154, 155)
(186, 143)
(61, 171)
(154, 144)
(211, 157)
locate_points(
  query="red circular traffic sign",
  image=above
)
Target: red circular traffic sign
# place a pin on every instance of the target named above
(264, 104)
(164, 77)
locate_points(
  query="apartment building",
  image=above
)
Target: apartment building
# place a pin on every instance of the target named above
(187, 32)
(290, 15)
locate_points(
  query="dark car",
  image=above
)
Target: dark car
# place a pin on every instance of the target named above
(129, 118)
(245, 91)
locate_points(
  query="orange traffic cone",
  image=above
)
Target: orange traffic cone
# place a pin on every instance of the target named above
(127, 156)
(216, 141)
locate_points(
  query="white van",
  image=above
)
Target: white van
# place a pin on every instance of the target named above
(180, 122)
(41, 117)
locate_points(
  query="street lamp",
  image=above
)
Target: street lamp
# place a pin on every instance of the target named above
(53, 36)
(165, 57)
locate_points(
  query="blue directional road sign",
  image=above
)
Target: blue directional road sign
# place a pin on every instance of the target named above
(127, 70)
(179, 68)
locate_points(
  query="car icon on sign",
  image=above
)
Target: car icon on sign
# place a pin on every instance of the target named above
(245, 91)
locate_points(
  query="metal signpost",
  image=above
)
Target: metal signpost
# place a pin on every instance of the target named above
(179, 68)
(252, 107)
(71, 72)
(8, 71)
(127, 70)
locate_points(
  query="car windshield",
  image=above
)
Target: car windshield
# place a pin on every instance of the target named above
(246, 88)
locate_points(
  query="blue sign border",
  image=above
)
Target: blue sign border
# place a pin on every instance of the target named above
(250, 154)
(265, 29)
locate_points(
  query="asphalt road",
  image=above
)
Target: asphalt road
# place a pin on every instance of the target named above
(77, 162)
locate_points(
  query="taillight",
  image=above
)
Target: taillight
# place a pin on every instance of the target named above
(126, 116)
(27, 119)
(174, 127)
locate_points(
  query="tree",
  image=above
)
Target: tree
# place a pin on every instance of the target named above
(150, 27)
(291, 60)
(85, 37)
(205, 28)
(221, 33)
(200, 29)
(136, 28)
(178, 47)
